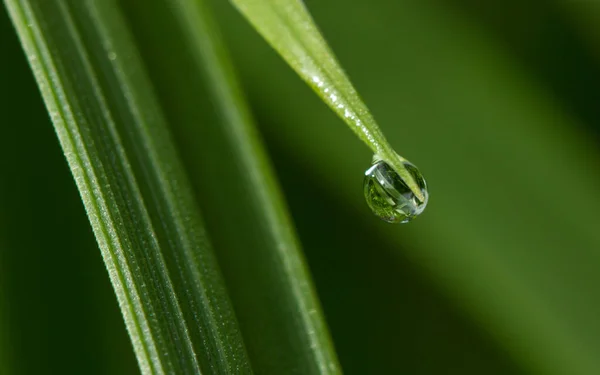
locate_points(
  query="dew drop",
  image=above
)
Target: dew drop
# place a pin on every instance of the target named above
(389, 197)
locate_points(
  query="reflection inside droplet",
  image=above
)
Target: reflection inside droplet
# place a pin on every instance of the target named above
(389, 197)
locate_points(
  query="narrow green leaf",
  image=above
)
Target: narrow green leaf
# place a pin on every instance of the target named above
(289, 28)
(265, 272)
(513, 239)
(133, 186)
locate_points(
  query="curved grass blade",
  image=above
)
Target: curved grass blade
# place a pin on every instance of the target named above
(133, 187)
(264, 268)
(289, 28)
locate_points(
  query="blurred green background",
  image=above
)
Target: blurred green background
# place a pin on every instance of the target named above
(498, 104)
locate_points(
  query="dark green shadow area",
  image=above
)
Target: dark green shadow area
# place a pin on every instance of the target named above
(546, 40)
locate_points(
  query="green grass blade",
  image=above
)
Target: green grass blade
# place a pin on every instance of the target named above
(57, 289)
(133, 186)
(289, 28)
(265, 271)
(500, 242)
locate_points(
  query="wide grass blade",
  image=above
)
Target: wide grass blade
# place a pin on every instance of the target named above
(273, 296)
(133, 186)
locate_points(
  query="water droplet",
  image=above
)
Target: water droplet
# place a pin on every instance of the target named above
(389, 197)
